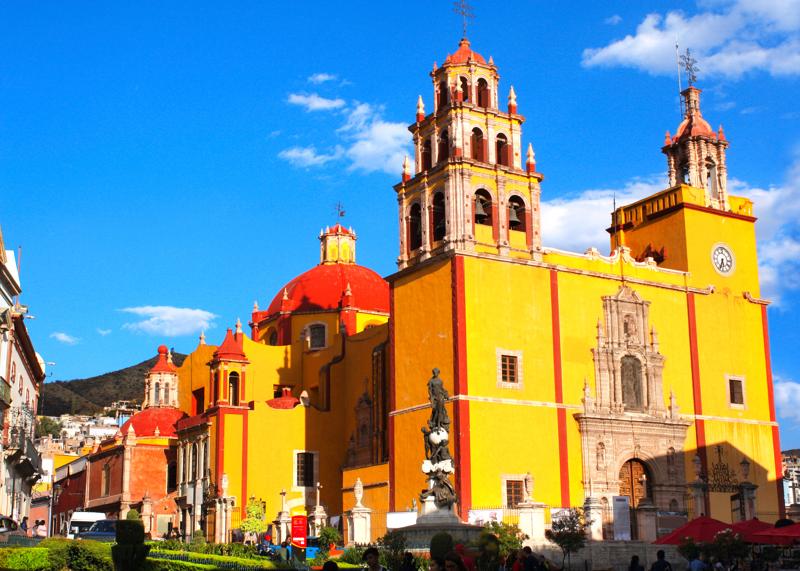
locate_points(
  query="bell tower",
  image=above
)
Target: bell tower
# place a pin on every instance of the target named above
(468, 190)
(696, 154)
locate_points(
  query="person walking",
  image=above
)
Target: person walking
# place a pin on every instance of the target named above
(372, 558)
(661, 563)
(635, 565)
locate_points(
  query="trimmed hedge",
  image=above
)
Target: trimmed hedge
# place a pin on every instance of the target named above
(25, 558)
(167, 565)
(209, 559)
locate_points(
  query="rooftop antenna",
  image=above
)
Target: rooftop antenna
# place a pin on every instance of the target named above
(462, 8)
(680, 88)
(690, 65)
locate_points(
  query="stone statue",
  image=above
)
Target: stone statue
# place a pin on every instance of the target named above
(358, 492)
(527, 496)
(438, 464)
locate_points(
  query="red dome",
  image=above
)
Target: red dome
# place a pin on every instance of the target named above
(322, 287)
(464, 54)
(145, 422)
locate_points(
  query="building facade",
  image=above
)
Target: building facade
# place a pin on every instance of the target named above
(22, 371)
(636, 384)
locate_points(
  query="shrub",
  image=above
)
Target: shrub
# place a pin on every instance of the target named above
(441, 545)
(328, 535)
(167, 565)
(58, 548)
(509, 536)
(89, 556)
(353, 555)
(27, 558)
(130, 532)
(133, 515)
(393, 544)
(689, 549)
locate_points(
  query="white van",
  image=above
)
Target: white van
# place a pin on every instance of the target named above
(82, 521)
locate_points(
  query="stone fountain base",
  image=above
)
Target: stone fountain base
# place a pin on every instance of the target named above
(435, 520)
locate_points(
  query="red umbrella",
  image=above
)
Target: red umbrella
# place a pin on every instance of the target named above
(701, 529)
(750, 527)
(779, 535)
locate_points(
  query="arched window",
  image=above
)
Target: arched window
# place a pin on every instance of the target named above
(516, 214)
(13, 373)
(426, 155)
(415, 227)
(631, 372)
(272, 337)
(683, 174)
(444, 147)
(166, 393)
(483, 208)
(501, 150)
(157, 394)
(316, 334)
(711, 178)
(483, 93)
(476, 145)
(438, 218)
(673, 505)
(465, 88)
(442, 94)
(233, 388)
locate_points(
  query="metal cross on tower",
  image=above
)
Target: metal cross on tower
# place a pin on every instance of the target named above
(339, 210)
(690, 66)
(462, 8)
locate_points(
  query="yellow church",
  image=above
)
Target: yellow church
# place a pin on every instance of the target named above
(637, 385)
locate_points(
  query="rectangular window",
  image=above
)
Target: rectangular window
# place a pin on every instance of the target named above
(736, 391)
(317, 336)
(198, 401)
(305, 469)
(508, 369)
(514, 493)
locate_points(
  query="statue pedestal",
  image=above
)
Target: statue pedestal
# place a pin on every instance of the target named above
(433, 514)
(359, 526)
(593, 509)
(531, 522)
(646, 521)
(318, 519)
(283, 527)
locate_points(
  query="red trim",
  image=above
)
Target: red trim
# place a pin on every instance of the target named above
(528, 227)
(495, 221)
(776, 437)
(392, 464)
(245, 446)
(563, 451)
(699, 423)
(220, 447)
(241, 387)
(461, 407)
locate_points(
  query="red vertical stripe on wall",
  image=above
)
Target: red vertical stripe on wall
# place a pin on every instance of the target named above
(699, 423)
(776, 438)
(392, 461)
(461, 407)
(220, 447)
(563, 450)
(245, 446)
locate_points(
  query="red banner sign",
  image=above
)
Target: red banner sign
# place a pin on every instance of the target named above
(299, 530)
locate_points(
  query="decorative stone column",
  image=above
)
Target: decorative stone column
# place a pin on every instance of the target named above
(147, 514)
(283, 523)
(593, 510)
(319, 518)
(359, 518)
(646, 527)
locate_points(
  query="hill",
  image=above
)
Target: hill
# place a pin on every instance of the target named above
(87, 396)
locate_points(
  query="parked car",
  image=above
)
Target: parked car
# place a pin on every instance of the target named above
(80, 522)
(9, 527)
(103, 530)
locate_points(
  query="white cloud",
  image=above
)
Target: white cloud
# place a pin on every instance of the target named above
(318, 78)
(64, 338)
(103, 332)
(314, 102)
(592, 208)
(787, 399)
(729, 38)
(613, 20)
(309, 157)
(370, 143)
(169, 321)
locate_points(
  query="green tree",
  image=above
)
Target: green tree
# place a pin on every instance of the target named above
(328, 535)
(569, 533)
(393, 544)
(254, 521)
(48, 426)
(133, 515)
(509, 536)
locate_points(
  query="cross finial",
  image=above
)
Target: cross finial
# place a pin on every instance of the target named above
(690, 66)
(339, 210)
(462, 8)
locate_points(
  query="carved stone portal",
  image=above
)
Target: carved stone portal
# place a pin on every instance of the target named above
(626, 427)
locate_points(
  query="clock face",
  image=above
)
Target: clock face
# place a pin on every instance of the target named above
(723, 260)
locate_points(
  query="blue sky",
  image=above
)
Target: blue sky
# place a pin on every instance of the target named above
(163, 165)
